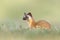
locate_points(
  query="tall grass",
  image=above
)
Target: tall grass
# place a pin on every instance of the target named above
(15, 27)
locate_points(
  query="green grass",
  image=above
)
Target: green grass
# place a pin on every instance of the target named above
(26, 34)
(14, 30)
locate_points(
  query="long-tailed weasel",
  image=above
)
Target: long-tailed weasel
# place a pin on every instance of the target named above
(40, 24)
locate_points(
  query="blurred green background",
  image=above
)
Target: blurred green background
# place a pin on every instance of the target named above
(11, 14)
(49, 9)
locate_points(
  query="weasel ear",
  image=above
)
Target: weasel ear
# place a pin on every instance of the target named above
(29, 14)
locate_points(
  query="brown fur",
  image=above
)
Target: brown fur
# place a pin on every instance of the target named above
(39, 24)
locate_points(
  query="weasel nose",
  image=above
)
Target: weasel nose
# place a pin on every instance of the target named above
(24, 18)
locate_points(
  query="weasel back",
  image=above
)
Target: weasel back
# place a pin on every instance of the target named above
(43, 24)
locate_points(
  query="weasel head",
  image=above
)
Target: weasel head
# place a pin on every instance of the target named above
(27, 16)
(29, 19)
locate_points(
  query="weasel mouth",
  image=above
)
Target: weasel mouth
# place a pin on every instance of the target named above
(24, 18)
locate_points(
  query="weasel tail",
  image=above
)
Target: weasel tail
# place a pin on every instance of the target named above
(39, 24)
